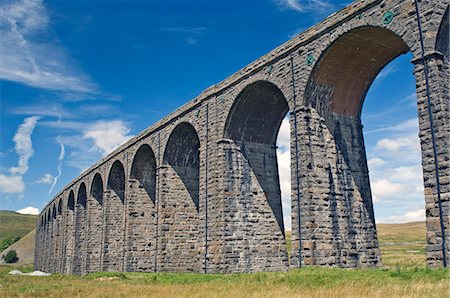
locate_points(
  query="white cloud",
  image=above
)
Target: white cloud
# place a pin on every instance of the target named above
(33, 59)
(24, 146)
(409, 216)
(385, 188)
(397, 144)
(29, 210)
(11, 184)
(107, 135)
(46, 179)
(375, 162)
(284, 169)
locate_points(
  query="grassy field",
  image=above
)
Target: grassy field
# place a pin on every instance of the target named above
(402, 245)
(13, 224)
(404, 275)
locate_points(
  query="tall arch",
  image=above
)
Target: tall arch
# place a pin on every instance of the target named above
(95, 224)
(179, 205)
(334, 95)
(252, 179)
(80, 230)
(114, 214)
(141, 215)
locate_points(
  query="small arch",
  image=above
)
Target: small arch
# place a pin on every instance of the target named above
(143, 169)
(81, 198)
(343, 74)
(97, 188)
(442, 39)
(116, 180)
(182, 154)
(71, 201)
(54, 211)
(59, 207)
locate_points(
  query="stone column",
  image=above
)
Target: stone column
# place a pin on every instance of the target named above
(438, 79)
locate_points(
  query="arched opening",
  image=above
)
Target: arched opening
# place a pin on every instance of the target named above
(71, 201)
(182, 154)
(143, 170)
(253, 184)
(95, 225)
(336, 91)
(81, 198)
(116, 180)
(97, 188)
(443, 36)
(114, 215)
(179, 224)
(141, 220)
(59, 207)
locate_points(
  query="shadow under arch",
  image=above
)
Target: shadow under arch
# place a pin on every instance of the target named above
(143, 169)
(97, 188)
(182, 154)
(253, 124)
(442, 39)
(116, 180)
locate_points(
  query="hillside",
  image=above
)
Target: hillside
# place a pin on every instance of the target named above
(13, 225)
(24, 248)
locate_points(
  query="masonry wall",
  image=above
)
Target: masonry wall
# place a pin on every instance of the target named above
(211, 202)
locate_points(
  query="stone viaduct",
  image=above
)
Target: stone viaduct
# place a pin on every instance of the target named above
(199, 190)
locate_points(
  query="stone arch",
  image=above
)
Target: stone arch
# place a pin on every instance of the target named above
(114, 218)
(249, 152)
(141, 215)
(71, 201)
(143, 169)
(346, 69)
(95, 225)
(182, 154)
(442, 39)
(334, 95)
(179, 226)
(116, 180)
(97, 188)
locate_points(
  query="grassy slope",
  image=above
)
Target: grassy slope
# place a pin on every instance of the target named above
(13, 224)
(24, 248)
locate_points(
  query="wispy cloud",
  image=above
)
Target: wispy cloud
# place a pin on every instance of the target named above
(62, 154)
(317, 6)
(191, 34)
(35, 57)
(14, 183)
(24, 145)
(284, 169)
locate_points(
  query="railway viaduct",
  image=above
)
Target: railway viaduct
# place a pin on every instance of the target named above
(199, 190)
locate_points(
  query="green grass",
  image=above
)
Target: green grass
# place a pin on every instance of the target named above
(308, 282)
(14, 225)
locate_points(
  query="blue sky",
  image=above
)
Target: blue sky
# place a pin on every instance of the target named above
(79, 78)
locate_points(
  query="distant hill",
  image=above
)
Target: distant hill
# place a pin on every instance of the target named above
(13, 224)
(24, 248)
